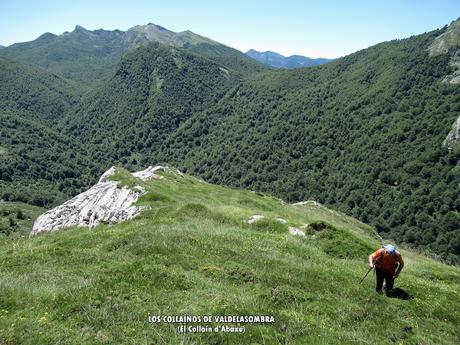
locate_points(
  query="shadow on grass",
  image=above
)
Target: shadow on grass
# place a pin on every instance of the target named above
(400, 294)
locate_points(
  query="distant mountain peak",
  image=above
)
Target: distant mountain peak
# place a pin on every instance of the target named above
(79, 28)
(159, 27)
(266, 52)
(150, 27)
(46, 37)
(277, 60)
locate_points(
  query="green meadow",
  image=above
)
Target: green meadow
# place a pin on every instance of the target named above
(192, 252)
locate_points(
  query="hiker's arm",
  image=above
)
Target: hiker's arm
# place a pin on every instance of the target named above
(371, 261)
(399, 269)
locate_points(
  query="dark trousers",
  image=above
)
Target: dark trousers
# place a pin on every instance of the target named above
(381, 276)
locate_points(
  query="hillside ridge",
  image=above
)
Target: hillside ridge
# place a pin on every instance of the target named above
(192, 251)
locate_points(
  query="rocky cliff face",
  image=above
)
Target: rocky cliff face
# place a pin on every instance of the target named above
(453, 138)
(449, 43)
(106, 202)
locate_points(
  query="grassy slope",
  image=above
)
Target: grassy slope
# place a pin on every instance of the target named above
(22, 215)
(192, 253)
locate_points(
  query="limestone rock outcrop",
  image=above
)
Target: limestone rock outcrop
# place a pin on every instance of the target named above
(255, 218)
(308, 202)
(296, 232)
(105, 202)
(448, 43)
(149, 173)
(453, 138)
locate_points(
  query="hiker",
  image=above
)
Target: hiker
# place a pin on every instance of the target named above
(388, 263)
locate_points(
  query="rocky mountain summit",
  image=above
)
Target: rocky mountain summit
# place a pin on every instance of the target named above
(106, 202)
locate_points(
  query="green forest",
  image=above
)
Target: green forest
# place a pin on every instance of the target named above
(362, 134)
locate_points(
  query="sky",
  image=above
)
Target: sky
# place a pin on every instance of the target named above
(323, 28)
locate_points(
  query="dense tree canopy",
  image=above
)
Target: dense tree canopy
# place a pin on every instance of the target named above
(38, 164)
(362, 134)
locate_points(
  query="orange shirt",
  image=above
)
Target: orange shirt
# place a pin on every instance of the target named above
(387, 262)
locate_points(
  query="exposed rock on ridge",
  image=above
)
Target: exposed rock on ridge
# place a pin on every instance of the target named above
(296, 232)
(449, 43)
(149, 173)
(453, 138)
(105, 202)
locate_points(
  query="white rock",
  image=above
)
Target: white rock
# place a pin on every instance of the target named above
(149, 173)
(105, 202)
(281, 220)
(296, 232)
(139, 189)
(255, 218)
(104, 177)
(453, 137)
(308, 202)
(304, 226)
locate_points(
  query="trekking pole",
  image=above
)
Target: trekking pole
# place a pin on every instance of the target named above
(381, 239)
(376, 261)
(370, 269)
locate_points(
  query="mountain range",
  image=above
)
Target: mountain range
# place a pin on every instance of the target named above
(362, 134)
(86, 56)
(279, 61)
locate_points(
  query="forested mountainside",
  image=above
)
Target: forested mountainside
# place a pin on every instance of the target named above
(154, 89)
(35, 92)
(51, 124)
(38, 164)
(362, 134)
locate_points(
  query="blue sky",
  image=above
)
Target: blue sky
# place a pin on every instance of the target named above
(322, 28)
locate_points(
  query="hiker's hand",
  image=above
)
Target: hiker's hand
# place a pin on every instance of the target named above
(371, 265)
